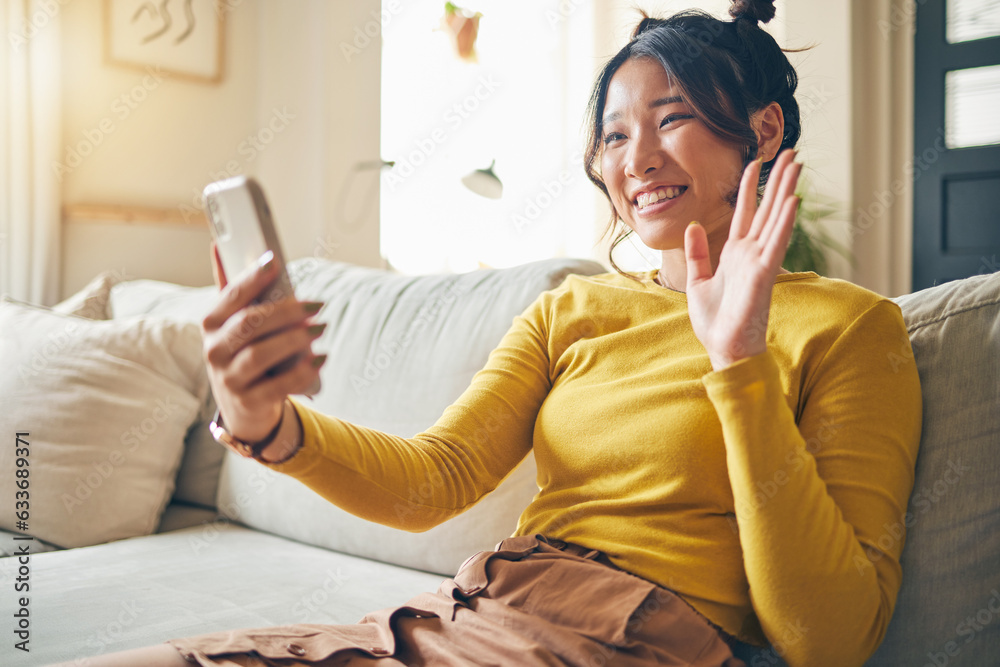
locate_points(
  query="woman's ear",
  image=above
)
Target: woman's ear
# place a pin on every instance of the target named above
(769, 124)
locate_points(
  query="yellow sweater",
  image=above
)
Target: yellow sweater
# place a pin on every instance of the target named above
(774, 489)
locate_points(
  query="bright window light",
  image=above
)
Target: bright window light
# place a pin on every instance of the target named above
(522, 104)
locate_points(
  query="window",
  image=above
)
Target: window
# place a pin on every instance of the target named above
(956, 140)
(521, 104)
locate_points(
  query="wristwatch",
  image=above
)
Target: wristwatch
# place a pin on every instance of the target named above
(250, 450)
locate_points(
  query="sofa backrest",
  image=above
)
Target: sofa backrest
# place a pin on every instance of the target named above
(948, 609)
(402, 349)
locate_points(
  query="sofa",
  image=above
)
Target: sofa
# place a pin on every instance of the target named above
(140, 528)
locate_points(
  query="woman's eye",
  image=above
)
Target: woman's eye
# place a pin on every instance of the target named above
(674, 117)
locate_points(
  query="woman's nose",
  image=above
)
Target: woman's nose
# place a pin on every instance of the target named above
(644, 155)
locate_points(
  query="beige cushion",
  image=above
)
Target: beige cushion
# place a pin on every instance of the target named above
(106, 405)
(198, 477)
(402, 349)
(94, 300)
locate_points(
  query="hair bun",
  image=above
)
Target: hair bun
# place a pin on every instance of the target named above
(752, 10)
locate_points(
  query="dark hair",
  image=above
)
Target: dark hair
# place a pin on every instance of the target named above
(725, 70)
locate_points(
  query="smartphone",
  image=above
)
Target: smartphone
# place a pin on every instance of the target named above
(243, 229)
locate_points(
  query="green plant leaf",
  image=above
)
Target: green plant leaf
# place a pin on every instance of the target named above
(810, 239)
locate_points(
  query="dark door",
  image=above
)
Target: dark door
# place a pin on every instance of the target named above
(956, 161)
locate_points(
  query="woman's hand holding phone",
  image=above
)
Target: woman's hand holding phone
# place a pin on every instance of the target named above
(243, 340)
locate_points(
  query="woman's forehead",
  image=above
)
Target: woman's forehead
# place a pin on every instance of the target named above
(639, 83)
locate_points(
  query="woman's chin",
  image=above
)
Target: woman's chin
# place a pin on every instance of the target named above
(661, 234)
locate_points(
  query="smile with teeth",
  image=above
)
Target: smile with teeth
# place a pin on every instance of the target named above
(648, 198)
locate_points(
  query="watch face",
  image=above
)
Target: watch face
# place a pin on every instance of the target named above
(224, 437)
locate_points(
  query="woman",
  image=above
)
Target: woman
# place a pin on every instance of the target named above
(723, 445)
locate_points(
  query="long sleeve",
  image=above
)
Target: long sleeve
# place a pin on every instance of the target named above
(416, 483)
(821, 496)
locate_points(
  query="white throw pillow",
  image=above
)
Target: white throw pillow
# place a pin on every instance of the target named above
(106, 405)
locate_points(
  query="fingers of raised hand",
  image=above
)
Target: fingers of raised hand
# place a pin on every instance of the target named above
(775, 241)
(785, 194)
(746, 201)
(699, 266)
(771, 203)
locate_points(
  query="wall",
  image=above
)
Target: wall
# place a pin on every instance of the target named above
(167, 138)
(280, 114)
(882, 53)
(825, 102)
(321, 60)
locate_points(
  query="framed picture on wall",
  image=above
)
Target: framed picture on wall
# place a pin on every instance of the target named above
(184, 38)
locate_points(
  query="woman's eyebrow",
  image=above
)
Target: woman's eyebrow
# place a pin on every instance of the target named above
(673, 99)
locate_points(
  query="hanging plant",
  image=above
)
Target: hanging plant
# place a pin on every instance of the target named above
(463, 26)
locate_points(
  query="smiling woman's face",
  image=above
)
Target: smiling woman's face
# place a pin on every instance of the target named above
(662, 166)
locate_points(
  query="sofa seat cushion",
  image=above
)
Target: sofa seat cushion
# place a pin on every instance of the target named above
(218, 576)
(11, 541)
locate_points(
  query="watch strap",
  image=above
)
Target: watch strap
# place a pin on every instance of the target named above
(245, 449)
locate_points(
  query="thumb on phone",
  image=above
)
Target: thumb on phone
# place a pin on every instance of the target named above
(217, 272)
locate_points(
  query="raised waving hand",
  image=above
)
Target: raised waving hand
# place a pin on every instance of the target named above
(729, 309)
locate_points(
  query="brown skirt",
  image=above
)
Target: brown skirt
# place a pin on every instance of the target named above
(533, 601)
